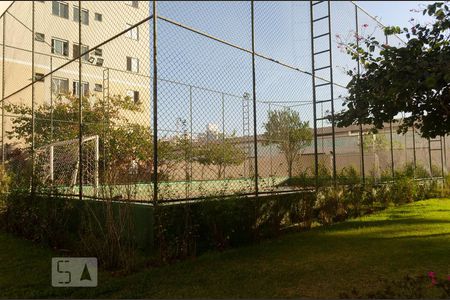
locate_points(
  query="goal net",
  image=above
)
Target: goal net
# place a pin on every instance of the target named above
(58, 165)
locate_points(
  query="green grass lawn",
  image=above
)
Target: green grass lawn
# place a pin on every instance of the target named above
(411, 239)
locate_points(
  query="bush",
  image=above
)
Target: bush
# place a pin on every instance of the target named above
(403, 190)
(88, 228)
(408, 171)
(106, 232)
(349, 175)
(5, 182)
(40, 221)
(329, 206)
(354, 197)
(185, 230)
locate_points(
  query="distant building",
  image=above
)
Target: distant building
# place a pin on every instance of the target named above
(119, 67)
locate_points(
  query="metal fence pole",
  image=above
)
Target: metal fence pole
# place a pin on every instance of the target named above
(223, 131)
(270, 148)
(445, 154)
(361, 138)
(333, 130)
(392, 151)
(51, 100)
(190, 135)
(155, 104)
(255, 132)
(80, 111)
(3, 91)
(96, 162)
(429, 158)
(33, 125)
(414, 150)
(442, 157)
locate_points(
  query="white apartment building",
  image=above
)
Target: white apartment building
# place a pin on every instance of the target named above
(119, 67)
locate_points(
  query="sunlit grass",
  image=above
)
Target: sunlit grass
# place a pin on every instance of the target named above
(411, 239)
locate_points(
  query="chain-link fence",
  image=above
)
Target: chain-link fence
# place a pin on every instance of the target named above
(164, 101)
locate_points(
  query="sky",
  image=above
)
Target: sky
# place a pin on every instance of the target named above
(395, 12)
(199, 62)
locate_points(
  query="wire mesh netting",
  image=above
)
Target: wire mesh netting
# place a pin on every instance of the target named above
(111, 99)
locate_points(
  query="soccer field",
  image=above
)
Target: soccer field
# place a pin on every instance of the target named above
(180, 189)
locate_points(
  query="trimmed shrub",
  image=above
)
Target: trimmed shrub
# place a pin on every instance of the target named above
(188, 229)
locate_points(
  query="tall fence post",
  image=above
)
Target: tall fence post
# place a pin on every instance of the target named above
(3, 91)
(429, 158)
(33, 125)
(358, 68)
(191, 154)
(80, 110)
(392, 151)
(155, 104)
(51, 99)
(255, 131)
(445, 155)
(414, 151)
(442, 157)
(270, 148)
(223, 130)
(96, 162)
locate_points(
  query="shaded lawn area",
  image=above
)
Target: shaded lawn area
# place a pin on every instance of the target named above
(411, 239)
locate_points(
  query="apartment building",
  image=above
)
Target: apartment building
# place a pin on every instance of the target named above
(121, 66)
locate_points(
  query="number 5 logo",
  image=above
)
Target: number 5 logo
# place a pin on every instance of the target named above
(61, 271)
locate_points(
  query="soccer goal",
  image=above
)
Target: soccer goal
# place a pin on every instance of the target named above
(58, 165)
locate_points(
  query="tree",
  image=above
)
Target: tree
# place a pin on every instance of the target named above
(413, 79)
(221, 153)
(99, 114)
(121, 140)
(285, 129)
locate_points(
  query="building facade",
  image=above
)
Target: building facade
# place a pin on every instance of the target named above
(119, 67)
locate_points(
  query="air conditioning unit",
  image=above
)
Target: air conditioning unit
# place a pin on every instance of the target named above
(99, 62)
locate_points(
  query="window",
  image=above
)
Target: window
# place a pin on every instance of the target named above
(40, 37)
(98, 17)
(133, 95)
(84, 88)
(84, 49)
(60, 85)
(98, 87)
(60, 9)
(99, 62)
(39, 77)
(132, 64)
(84, 15)
(98, 52)
(133, 3)
(60, 47)
(132, 33)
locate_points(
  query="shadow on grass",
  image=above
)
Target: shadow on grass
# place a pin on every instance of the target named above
(358, 224)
